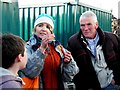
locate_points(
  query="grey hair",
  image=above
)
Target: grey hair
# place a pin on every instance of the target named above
(89, 14)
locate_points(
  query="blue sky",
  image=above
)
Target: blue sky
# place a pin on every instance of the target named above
(103, 4)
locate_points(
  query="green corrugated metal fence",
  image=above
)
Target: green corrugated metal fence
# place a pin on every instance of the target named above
(66, 19)
(9, 17)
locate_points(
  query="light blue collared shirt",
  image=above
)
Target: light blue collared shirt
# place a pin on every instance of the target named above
(93, 43)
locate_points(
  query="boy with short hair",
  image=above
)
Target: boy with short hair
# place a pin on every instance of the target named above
(14, 58)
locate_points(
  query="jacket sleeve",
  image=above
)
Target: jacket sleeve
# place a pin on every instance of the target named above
(116, 65)
(69, 70)
(35, 62)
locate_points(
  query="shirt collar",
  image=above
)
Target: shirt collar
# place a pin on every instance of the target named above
(95, 40)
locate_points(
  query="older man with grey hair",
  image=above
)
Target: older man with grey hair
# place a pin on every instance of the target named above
(97, 54)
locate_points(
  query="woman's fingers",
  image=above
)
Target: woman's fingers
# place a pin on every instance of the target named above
(67, 57)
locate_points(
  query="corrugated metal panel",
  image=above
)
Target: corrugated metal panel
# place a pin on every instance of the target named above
(9, 13)
(66, 19)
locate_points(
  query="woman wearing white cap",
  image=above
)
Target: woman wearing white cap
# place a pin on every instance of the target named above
(47, 58)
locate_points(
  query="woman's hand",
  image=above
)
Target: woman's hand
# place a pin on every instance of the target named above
(45, 40)
(67, 57)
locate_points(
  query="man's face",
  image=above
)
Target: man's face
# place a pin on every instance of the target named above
(88, 27)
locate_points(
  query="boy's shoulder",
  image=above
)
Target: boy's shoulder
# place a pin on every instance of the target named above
(10, 81)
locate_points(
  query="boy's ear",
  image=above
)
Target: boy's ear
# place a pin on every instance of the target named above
(19, 58)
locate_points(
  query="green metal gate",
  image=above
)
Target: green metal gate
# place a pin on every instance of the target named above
(66, 17)
(9, 17)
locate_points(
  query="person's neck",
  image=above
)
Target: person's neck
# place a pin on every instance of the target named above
(94, 36)
(14, 70)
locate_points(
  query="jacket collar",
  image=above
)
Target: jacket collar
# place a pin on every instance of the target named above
(101, 34)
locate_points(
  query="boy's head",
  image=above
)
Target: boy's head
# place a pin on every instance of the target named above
(13, 48)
